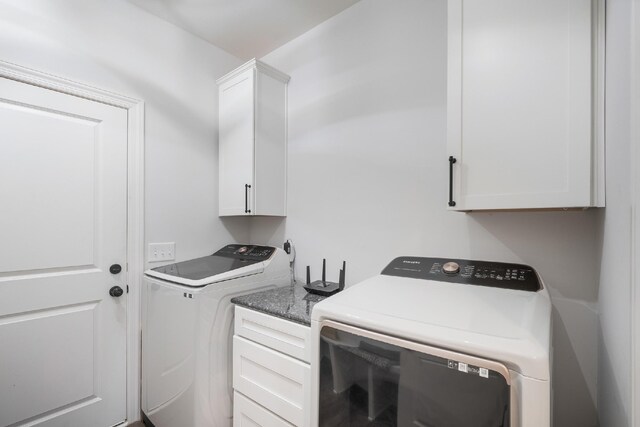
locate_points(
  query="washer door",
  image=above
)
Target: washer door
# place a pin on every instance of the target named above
(368, 379)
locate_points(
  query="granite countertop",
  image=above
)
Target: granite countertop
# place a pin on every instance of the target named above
(289, 302)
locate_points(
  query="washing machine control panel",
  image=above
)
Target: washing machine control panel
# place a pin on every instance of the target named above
(248, 252)
(464, 271)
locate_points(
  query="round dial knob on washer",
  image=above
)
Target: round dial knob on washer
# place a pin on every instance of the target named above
(451, 267)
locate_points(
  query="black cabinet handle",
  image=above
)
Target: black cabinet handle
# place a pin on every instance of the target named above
(452, 160)
(246, 198)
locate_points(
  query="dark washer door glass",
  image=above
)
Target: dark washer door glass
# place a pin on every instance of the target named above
(364, 382)
(201, 268)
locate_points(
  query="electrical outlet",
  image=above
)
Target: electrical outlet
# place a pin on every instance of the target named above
(162, 251)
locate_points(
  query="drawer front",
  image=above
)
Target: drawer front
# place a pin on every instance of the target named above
(278, 382)
(247, 413)
(279, 334)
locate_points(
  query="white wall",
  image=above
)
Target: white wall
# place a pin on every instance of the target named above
(368, 177)
(116, 46)
(614, 366)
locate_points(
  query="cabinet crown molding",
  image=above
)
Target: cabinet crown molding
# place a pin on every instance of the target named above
(260, 66)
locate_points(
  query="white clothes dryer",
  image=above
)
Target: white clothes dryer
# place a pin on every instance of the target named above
(434, 342)
(187, 330)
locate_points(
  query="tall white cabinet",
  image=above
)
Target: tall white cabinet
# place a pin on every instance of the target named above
(253, 141)
(525, 104)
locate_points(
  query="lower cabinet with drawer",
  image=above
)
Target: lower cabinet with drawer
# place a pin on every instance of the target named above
(271, 371)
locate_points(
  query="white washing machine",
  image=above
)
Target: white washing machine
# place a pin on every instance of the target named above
(434, 342)
(187, 329)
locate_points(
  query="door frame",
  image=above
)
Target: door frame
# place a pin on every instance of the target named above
(135, 206)
(635, 213)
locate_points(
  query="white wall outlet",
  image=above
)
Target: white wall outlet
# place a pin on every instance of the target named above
(162, 251)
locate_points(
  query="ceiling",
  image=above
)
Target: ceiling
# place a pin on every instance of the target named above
(245, 28)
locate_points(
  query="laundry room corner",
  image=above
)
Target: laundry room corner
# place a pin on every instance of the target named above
(367, 178)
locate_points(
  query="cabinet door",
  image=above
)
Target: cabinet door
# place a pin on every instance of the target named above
(520, 103)
(236, 145)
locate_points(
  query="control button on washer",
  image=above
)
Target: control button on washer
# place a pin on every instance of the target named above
(451, 268)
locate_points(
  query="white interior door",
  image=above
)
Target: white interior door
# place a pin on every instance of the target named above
(236, 145)
(63, 200)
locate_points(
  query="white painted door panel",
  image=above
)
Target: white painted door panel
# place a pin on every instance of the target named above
(236, 144)
(63, 181)
(520, 103)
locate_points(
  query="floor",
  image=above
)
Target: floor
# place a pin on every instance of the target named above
(137, 424)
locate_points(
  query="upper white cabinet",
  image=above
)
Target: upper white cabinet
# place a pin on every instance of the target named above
(253, 141)
(525, 104)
